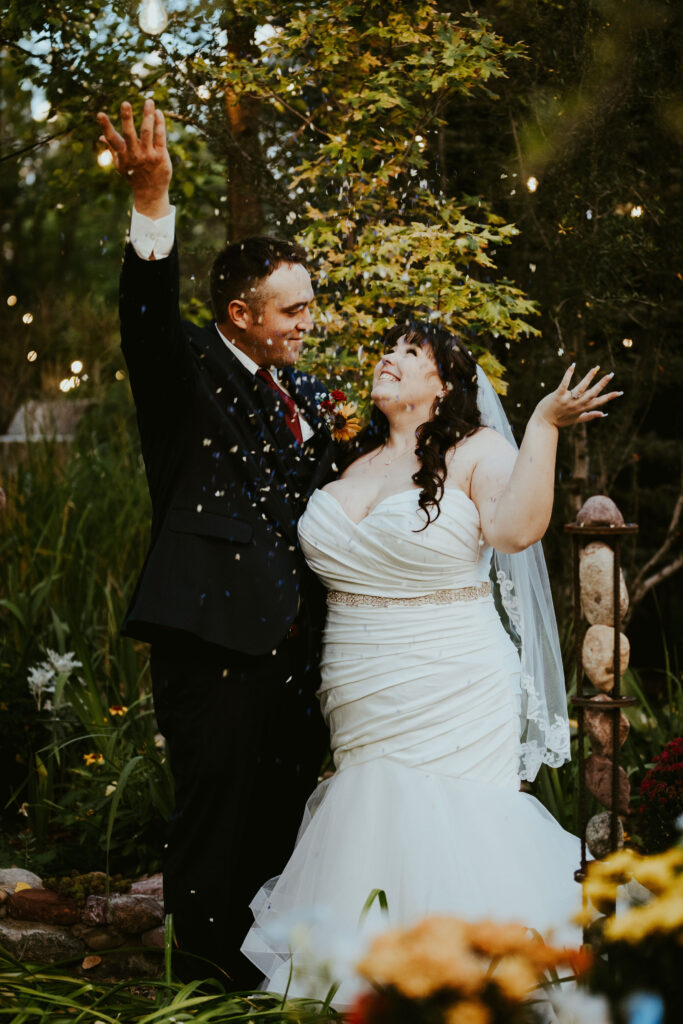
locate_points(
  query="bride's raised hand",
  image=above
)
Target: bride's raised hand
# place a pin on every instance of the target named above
(582, 403)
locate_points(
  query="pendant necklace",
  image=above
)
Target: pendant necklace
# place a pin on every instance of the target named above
(388, 462)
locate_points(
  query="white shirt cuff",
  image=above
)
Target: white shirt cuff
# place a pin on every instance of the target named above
(149, 236)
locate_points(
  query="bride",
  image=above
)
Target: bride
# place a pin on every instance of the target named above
(436, 708)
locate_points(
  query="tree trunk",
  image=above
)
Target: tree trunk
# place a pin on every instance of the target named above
(244, 155)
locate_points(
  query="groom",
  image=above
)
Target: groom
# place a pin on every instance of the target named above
(233, 442)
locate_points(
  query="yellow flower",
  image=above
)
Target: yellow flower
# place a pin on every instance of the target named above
(601, 892)
(92, 758)
(663, 915)
(118, 709)
(345, 423)
(658, 872)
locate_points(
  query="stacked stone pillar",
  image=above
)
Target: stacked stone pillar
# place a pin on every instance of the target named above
(601, 656)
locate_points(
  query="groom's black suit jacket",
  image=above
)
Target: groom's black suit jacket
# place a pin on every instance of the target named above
(226, 479)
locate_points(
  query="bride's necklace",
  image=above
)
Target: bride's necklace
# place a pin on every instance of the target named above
(388, 462)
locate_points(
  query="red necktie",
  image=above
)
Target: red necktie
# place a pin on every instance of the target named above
(292, 414)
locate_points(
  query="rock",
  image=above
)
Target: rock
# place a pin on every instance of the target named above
(599, 782)
(598, 656)
(4, 896)
(596, 568)
(80, 929)
(155, 937)
(42, 905)
(151, 886)
(145, 964)
(123, 966)
(134, 913)
(10, 876)
(40, 943)
(91, 961)
(94, 911)
(598, 834)
(599, 511)
(103, 938)
(599, 726)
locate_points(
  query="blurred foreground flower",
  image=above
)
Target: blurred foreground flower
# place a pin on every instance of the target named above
(455, 972)
(640, 946)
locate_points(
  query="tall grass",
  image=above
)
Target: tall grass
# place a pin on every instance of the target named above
(38, 995)
(72, 540)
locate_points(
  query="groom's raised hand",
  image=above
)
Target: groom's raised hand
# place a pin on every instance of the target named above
(143, 160)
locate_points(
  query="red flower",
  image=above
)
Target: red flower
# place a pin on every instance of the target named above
(368, 1009)
(338, 396)
(327, 405)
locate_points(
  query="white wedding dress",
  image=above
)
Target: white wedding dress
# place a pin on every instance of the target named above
(421, 698)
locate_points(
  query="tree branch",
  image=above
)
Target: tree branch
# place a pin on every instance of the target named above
(34, 145)
(644, 583)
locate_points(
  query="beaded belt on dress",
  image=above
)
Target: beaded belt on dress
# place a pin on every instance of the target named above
(437, 597)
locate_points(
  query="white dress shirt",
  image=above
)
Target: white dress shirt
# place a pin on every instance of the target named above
(149, 236)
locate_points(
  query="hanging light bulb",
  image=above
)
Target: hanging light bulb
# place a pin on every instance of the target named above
(152, 18)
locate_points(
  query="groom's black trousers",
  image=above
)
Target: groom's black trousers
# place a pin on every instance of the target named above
(245, 739)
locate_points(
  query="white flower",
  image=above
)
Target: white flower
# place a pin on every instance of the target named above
(63, 663)
(41, 680)
(579, 1007)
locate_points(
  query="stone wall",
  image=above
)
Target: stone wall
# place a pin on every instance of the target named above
(118, 938)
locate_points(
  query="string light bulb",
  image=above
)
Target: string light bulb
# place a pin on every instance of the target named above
(627, 342)
(152, 18)
(12, 300)
(27, 318)
(636, 211)
(32, 356)
(532, 183)
(76, 366)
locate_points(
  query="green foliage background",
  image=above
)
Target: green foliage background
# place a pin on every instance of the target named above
(396, 141)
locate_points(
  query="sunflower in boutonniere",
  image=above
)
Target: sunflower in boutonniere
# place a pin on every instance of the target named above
(342, 416)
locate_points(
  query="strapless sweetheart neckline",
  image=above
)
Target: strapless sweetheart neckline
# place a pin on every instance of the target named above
(389, 497)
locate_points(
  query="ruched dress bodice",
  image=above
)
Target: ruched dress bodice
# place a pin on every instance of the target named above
(420, 686)
(384, 555)
(409, 680)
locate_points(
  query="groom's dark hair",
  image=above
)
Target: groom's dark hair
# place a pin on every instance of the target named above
(241, 267)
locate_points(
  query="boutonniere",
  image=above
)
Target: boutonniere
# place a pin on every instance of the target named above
(341, 416)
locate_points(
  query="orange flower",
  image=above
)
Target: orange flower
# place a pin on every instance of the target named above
(118, 709)
(469, 1011)
(92, 758)
(345, 422)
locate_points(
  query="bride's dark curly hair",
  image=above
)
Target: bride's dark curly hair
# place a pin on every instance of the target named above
(453, 417)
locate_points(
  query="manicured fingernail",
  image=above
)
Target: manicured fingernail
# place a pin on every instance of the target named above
(610, 375)
(605, 414)
(573, 366)
(620, 392)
